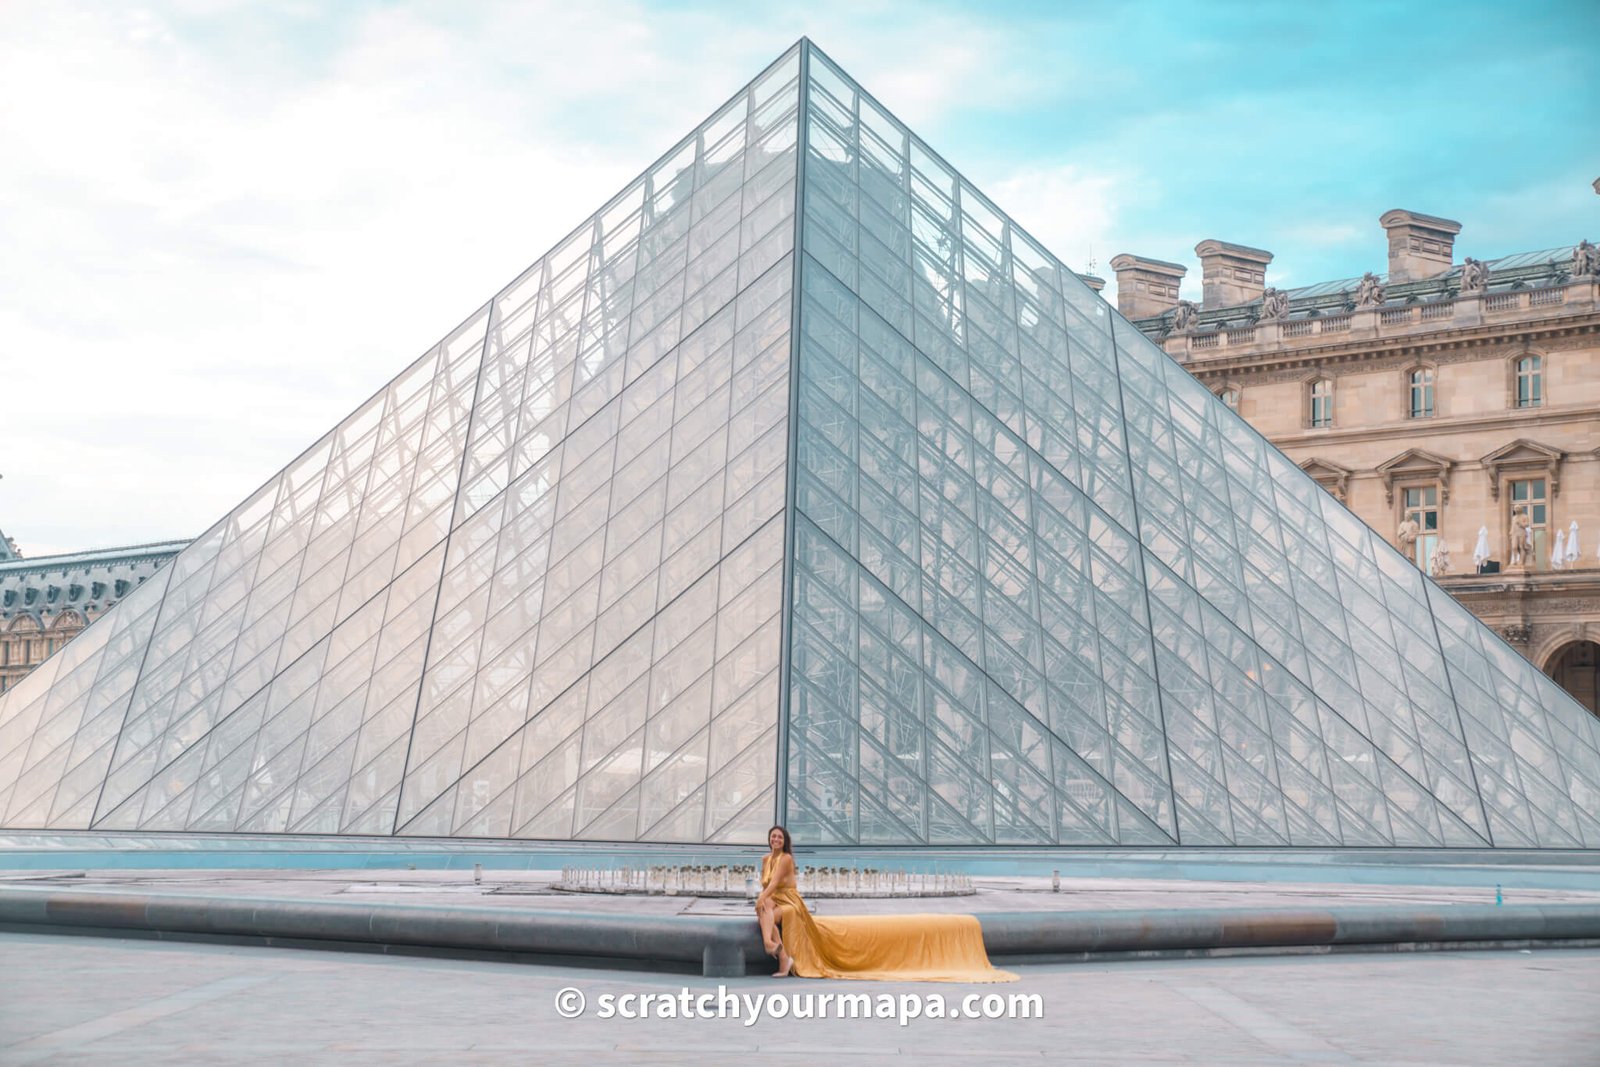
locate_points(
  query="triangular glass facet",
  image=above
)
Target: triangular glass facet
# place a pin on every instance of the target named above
(1060, 525)
(563, 520)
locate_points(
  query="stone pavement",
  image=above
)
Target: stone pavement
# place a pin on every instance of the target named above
(532, 889)
(91, 1001)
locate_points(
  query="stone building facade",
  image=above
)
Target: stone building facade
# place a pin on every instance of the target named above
(48, 600)
(1453, 406)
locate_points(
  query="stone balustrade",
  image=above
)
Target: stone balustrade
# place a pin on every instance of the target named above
(1472, 309)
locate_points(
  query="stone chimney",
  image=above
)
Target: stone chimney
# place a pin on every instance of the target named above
(1230, 274)
(1146, 287)
(1419, 245)
(1093, 281)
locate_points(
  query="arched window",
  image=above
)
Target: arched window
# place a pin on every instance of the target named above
(1229, 396)
(1420, 393)
(1321, 397)
(1530, 382)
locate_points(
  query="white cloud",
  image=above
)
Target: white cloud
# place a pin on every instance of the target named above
(225, 226)
(1071, 212)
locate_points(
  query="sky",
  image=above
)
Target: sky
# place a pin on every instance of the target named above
(225, 225)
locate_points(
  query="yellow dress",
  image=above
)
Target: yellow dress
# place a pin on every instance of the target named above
(885, 948)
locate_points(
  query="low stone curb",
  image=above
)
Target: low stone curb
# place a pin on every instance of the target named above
(1055, 933)
(711, 945)
(726, 947)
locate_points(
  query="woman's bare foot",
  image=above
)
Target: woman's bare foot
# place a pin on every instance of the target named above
(785, 961)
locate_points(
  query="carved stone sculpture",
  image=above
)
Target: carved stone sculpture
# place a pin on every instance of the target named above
(1518, 633)
(1274, 305)
(1521, 536)
(1585, 259)
(1369, 294)
(1406, 538)
(1439, 561)
(1474, 275)
(1184, 316)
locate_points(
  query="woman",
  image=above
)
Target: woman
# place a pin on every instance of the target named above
(778, 878)
(926, 948)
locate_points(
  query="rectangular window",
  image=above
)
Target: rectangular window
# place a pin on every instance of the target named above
(1322, 403)
(1529, 493)
(1422, 394)
(1530, 382)
(1422, 507)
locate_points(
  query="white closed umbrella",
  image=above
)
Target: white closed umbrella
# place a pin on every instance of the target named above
(1558, 554)
(1572, 542)
(1480, 551)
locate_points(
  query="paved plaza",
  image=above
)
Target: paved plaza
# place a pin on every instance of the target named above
(79, 1000)
(92, 1000)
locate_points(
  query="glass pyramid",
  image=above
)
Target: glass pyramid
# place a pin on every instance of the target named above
(902, 538)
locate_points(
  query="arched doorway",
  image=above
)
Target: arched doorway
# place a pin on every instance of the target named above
(1576, 668)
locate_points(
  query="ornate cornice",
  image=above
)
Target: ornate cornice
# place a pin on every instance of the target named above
(1533, 607)
(1442, 346)
(1421, 429)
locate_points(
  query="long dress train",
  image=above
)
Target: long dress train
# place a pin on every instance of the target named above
(903, 948)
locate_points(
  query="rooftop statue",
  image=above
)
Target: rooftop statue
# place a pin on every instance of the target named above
(1185, 316)
(1585, 259)
(1274, 304)
(1369, 294)
(1474, 275)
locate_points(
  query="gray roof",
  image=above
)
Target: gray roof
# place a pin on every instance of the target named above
(69, 561)
(1550, 257)
(85, 582)
(1520, 270)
